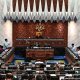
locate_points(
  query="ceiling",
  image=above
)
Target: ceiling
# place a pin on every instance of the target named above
(43, 2)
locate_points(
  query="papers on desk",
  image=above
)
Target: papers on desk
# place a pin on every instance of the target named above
(47, 65)
(45, 68)
(28, 69)
(61, 65)
(76, 68)
(52, 74)
(39, 71)
(38, 62)
(3, 74)
(35, 47)
(68, 75)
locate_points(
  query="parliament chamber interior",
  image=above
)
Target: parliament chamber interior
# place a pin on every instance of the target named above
(39, 39)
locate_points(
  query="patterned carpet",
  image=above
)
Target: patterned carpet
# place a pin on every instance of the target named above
(53, 60)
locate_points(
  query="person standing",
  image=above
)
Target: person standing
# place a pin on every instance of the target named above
(73, 48)
(6, 44)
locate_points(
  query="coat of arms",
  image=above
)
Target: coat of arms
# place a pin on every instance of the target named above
(40, 27)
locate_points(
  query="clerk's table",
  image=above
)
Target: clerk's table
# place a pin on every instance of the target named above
(40, 53)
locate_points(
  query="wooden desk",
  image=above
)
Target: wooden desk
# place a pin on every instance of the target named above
(39, 54)
(52, 42)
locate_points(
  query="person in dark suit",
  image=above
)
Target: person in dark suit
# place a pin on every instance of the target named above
(40, 77)
(39, 35)
(37, 44)
(1, 49)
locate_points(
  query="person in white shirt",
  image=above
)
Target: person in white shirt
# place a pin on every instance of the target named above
(6, 44)
(73, 48)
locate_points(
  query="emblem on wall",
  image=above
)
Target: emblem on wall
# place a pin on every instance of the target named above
(40, 27)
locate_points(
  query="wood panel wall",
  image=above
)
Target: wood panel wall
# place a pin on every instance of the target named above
(52, 31)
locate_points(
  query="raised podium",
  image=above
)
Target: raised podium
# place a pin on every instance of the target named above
(40, 53)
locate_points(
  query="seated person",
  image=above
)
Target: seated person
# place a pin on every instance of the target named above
(46, 45)
(9, 76)
(1, 49)
(77, 63)
(36, 44)
(78, 51)
(39, 35)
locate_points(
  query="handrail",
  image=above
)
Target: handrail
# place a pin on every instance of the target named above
(71, 52)
(7, 54)
(4, 53)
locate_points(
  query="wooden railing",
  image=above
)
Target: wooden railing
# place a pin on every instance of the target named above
(7, 55)
(70, 56)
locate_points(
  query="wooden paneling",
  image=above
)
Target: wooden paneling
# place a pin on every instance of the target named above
(40, 54)
(10, 59)
(43, 2)
(52, 31)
